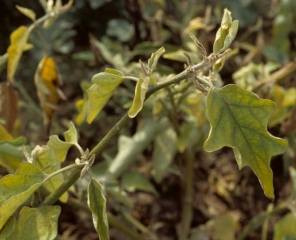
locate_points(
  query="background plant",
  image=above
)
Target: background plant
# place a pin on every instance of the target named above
(177, 113)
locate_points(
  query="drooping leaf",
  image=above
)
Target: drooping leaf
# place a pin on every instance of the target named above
(13, 194)
(37, 223)
(97, 204)
(133, 181)
(226, 33)
(7, 228)
(10, 150)
(104, 84)
(165, 147)
(8, 105)
(239, 120)
(152, 61)
(18, 41)
(27, 12)
(285, 227)
(48, 81)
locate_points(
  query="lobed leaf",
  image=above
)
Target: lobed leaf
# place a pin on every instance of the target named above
(226, 33)
(37, 223)
(140, 95)
(239, 120)
(27, 12)
(16, 189)
(18, 42)
(104, 84)
(97, 204)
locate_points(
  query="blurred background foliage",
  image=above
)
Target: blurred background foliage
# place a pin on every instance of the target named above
(147, 188)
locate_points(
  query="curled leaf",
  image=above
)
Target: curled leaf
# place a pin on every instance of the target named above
(152, 62)
(226, 33)
(140, 95)
(18, 42)
(48, 81)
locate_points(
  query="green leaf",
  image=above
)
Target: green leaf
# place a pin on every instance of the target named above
(37, 223)
(16, 189)
(7, 228)
(165, 147)
(226, 33)
(97, 204)
(99, 93)
(285, 227)
(238, 120)
(133, 181)
(18, 42)
(81, 105)
(71, 135)
(27, 12)
(3, 60)
(140, 95)
(120, 195)
(293, 176)
(152, 61)
(59, 147)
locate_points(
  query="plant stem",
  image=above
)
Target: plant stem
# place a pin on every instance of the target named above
(187, 214)
(111, 219)
(53, 197)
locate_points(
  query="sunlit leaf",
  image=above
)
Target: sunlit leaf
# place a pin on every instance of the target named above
(133, 181)
(139, 98)
(13, 194)
(71, 135)
(10, 150)
(104, 84)
(285, 227)
(27, 12)
(152, 61)
(238, 120)
(37, 223)
(226, 33)
(165, 147)
(47, 81)
(97, 204)
(18, 41)
(81, 105)
(7, 228)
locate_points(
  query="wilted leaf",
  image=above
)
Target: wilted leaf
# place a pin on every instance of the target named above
(226, 33)
(100, 92)
(133, 181)
(18, 41)
(37, 223)
(285, 227)
(27, 12)
(7, 228)
(165, 147)
(97, 204)
(10, 150)
(47, 81)
(13, 194)
(139, 98)
(152, 61)
(8, 105)
(238, 120)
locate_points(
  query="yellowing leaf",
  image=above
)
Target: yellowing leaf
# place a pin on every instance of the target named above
(239, 120)
(140, 94)
(18, 41)
(27, 12)
(47, 81)
(100, 92)
(16, 189)
(81, 105)
(37, 223)
(226, 33)
(97, 204)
